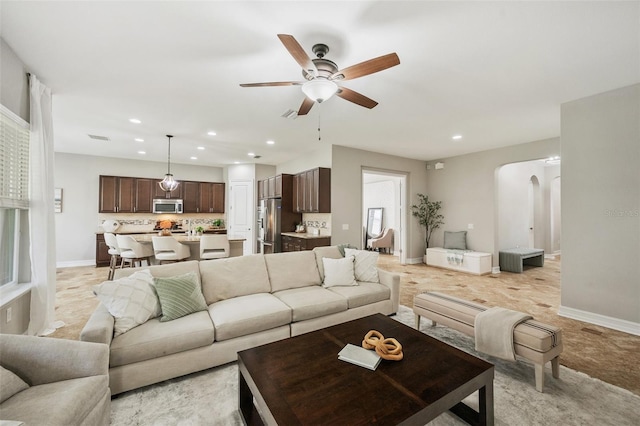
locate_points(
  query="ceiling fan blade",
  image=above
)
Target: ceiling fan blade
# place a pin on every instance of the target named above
(356, 98)
(274, 83)
(367, 67)
(306, 106)
(298, 53)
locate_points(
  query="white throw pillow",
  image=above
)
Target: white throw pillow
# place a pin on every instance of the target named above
(338, 272)
(365, 264)
(131, 300)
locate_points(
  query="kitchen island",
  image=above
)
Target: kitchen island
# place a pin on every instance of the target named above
(297, 241)
(236, 244)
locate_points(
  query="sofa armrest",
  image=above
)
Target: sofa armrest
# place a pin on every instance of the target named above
(391, 280)
(40, 360)
(99, 328)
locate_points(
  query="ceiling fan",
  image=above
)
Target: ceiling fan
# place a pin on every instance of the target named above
(321, 75)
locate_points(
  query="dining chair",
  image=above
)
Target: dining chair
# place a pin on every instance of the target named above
(214, 246)
(133, 252)
(114, 250)
(169, 249)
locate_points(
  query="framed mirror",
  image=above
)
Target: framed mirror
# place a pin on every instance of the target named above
(374, 222)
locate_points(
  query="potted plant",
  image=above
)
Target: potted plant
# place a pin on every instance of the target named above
(199, 230)
(428, 214)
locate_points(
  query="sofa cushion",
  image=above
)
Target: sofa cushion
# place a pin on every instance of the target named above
(312, 302)
(232, 277)
(292, 270)
(338, 272)
(248, 314)
(131, 300)
(331, 252)
(179, 296)
(363, 294)
(365, 264)
(154, 339)
(68, 402)
(166, 270)
(11, 384)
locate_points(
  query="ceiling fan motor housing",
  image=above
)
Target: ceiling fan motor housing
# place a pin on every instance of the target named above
(326, 68)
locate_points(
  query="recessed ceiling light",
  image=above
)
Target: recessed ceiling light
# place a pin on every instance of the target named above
(135, 120)
(211, 133)
(236, 162)
(141, 152)
(194, 158)
(456, 137)
(201, 148)
(251, 154)
(139, 140)
(270, 142)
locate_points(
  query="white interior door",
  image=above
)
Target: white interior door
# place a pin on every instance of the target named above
(242, 213)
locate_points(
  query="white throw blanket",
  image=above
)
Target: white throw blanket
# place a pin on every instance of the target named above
(494, 331)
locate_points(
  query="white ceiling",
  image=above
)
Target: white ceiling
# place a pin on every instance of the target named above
(494, 72)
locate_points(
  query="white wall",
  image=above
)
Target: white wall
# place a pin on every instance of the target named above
(78, 176)
(601, 207)
(320, 157)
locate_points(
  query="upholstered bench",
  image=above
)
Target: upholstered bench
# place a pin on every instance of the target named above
(532, 339)
(512, 260)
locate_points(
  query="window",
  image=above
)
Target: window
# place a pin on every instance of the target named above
(14, 190)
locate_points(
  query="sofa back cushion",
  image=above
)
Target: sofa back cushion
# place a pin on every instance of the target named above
(292, 270)
(332, 252)
(164, 271)
(234, 276)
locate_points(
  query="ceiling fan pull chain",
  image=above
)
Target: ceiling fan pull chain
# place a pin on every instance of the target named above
(319, 114)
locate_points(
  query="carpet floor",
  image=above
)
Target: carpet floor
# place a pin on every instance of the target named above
(599, 352)
(211, 397)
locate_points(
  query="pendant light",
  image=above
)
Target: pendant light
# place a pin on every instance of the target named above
(168, 183)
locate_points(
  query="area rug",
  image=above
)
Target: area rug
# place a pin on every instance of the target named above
(211, 397)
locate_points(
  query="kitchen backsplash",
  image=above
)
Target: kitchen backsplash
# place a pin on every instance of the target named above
(139, 223)
(319, 221)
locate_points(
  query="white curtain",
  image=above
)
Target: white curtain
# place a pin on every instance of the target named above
(41, 214)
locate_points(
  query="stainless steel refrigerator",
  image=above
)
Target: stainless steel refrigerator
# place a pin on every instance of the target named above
(269, 225)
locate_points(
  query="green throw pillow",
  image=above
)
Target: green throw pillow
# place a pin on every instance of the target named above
(179, 296)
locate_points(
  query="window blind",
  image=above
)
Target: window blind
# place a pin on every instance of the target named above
(14, 160)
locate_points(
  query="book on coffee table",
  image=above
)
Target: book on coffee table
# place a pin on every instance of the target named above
(359, 356)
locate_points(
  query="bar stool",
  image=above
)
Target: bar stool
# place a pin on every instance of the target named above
(133, 252)
(169, 249)
(114, 250)
(214, 246)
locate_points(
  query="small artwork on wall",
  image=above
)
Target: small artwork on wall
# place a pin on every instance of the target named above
(57, 200)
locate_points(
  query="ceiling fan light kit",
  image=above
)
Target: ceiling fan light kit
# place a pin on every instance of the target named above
(168, 183)
(323, 73)
(319, 89)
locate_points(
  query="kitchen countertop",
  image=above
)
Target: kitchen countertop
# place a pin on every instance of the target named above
(180, 237)
(305, 235)
(173, 231)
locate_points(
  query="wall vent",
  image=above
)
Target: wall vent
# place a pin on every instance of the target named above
(99, 138)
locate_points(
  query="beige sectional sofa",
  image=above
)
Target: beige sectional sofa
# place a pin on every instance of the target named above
(252, 300)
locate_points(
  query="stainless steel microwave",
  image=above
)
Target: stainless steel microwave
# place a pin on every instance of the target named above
(165, 205)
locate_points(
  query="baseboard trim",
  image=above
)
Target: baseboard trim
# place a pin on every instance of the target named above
(414, 260)
(495, 269)
(602, 320)
(72, 263)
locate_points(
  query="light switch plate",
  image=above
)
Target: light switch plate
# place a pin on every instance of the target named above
(345, 226)
(470, 226)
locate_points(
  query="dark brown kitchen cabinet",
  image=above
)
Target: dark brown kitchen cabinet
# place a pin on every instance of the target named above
(275, 187)
(290, 243)
(143, 195)
(312, 191)
(117, 194)
(211, 197)
(103, 258)
(190, 196)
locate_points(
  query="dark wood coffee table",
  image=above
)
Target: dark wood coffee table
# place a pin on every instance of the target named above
(301, 381)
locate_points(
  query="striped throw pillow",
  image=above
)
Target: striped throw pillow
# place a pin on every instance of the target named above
(179, 296)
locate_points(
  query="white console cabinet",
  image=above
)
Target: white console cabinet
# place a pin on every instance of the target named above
(473, 262)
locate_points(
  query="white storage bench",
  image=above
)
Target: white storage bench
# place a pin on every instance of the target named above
(472, 262)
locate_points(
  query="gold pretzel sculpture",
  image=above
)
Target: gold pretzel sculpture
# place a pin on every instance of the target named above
(388, 348)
